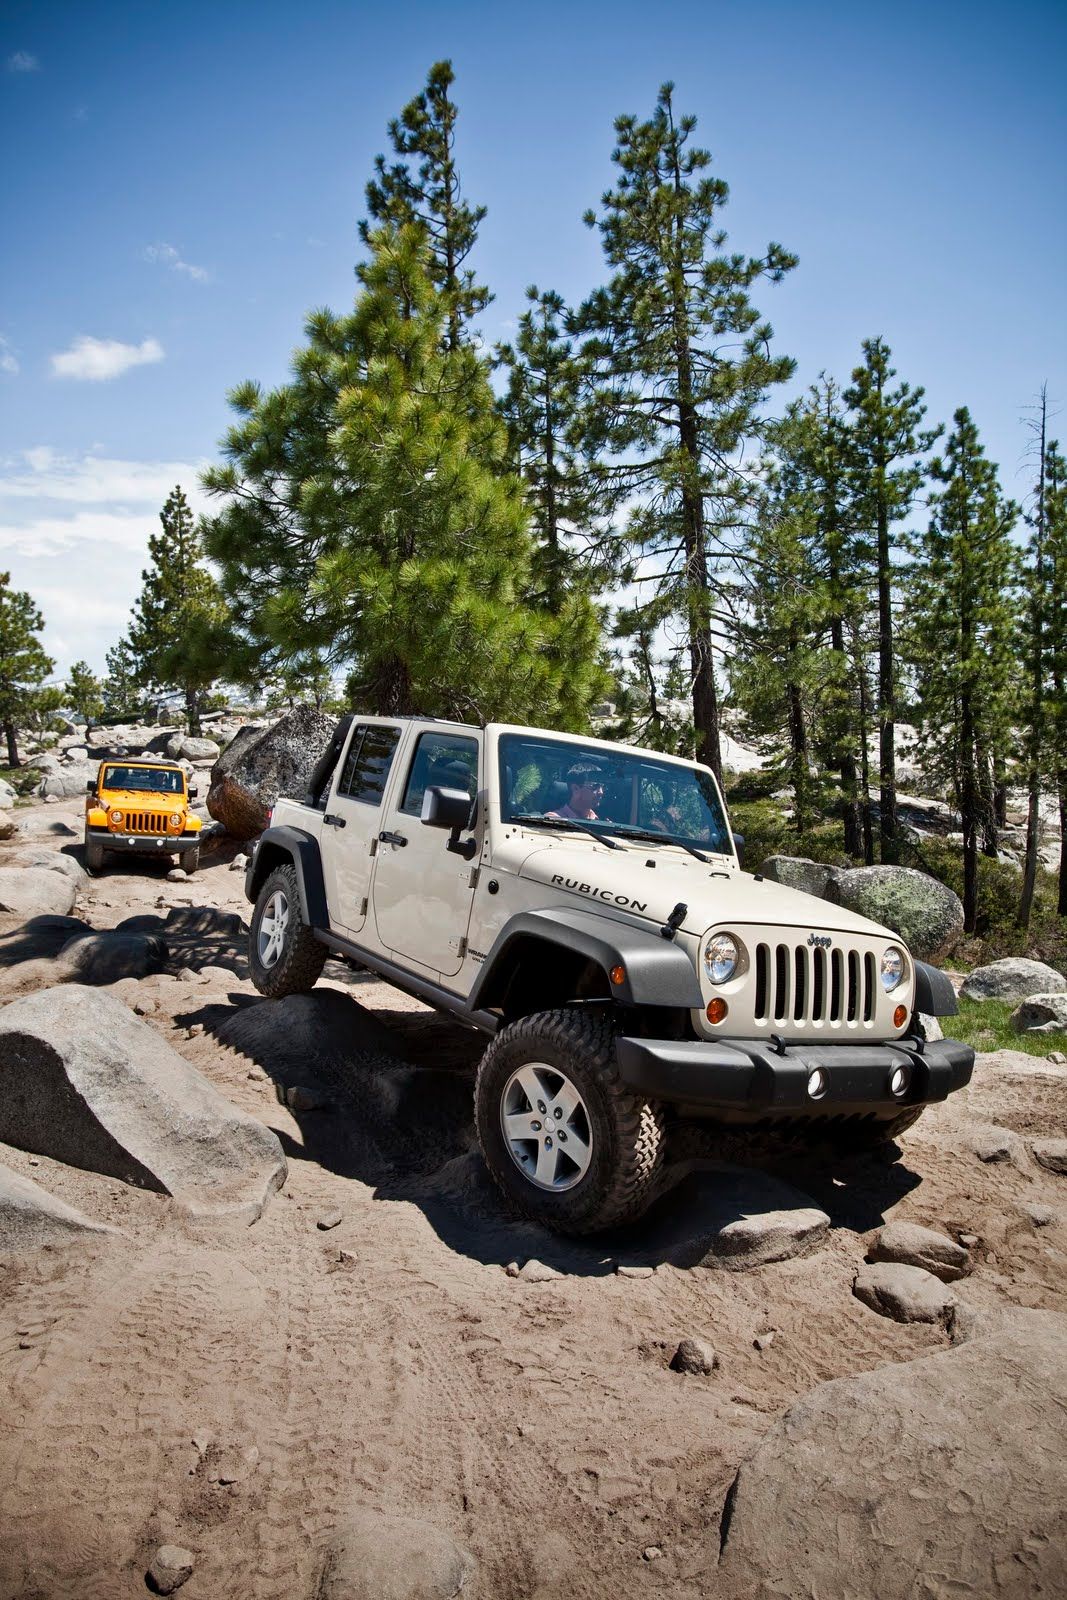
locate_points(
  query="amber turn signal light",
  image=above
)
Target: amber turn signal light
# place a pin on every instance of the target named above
(717, 1009)
(617, 975)
(900, 1016)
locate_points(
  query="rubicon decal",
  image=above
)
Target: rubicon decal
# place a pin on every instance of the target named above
(599, 894)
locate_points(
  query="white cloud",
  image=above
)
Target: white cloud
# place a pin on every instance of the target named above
(8, 362)
(98, 360)
(22, 61)
(166, 255)
(74, 531)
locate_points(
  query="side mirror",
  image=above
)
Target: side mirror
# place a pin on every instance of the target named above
(193, 791)
(90, 787)
(450, 808)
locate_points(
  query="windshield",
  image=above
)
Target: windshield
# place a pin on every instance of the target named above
(147, 780)
(546, 779)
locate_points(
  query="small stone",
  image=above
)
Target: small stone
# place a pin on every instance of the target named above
(1057, 1058)
(763, 1341)
(171, 1567)
(1050, 1154)
(195, 1031)
(512, 1269)
(256, 1075)
(24, 1344)
(303, 1098)
(1039, 1215)
(347, 1258)
(969, 1240)
(651, 1552)
(189, 975)
(237, 1468)
(34, 1161)
(176, 875)
(992, 1147)
(202, 1440)
(694, 1356)
(633, 1272)
(537, 1272)
(239, 863)
(329, 1219)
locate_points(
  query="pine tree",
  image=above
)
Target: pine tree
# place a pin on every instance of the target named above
(423, 187)
(887, 441)
(1054, 639)
(371, 517)
(681, 367)
(24, 665)
(1033, 623)
(122, 694)
(961, 631)
(84, 693)
(541, 406)
(178, 626)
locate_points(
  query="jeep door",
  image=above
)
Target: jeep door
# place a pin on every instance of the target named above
(353, 820)
(423, 891)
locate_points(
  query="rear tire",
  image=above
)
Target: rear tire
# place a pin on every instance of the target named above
(570, 1147)
(283, 954)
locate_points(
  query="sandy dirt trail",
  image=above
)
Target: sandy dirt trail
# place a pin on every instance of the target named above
(235, 1390)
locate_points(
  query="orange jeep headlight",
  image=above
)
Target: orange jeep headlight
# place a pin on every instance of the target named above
(116, 816)
(174, 822)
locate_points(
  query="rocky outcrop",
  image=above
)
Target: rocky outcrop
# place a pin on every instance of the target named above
(36, 892)
(1041, 1013)
(916, 1246)
(263, 763)
(84, 1081)
(102, 958)
(31, 1217)
(797, 872)
(68, 781)
(926, 914)
(729, 1217)
(183, 747)
(953, 1464)
(1013, 979)
(377, 1556)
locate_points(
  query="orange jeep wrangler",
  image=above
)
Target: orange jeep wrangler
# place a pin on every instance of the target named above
(141, 806)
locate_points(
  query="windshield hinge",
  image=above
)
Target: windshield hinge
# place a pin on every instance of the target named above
(472, 878)
(675, 920)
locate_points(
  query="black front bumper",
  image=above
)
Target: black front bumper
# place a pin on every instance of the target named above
(156, 844)
(745, 1080)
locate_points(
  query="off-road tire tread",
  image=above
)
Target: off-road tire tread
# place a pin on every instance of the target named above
(189, 860)
(94, 854)
(639, 1122)
(301, 962)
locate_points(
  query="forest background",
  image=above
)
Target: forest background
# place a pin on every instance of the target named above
(627, 499)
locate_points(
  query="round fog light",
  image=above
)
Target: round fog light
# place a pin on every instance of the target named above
(617, 975)
(818, 1082)
(899, 1080)
(717, 1010)
(900, 1016)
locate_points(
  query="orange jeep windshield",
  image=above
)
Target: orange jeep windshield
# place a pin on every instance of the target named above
(149, 780)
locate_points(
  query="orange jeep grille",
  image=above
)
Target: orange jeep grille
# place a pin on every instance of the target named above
(145, 822)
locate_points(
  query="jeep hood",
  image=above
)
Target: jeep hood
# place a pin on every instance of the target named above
(621, 880)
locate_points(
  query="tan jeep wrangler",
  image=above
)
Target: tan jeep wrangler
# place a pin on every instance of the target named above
(143, 806)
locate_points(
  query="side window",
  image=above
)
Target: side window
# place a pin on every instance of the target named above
(370, 755)
(444, 760)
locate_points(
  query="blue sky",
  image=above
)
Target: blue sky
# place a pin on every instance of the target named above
(182, 183)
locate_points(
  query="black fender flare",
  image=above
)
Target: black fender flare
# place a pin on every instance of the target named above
(656, 971)
(293, 844)
(934, 994)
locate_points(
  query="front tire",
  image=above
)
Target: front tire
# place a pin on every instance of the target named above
(94, 853)
(283, 954)
(569, 1146)
(189, 860)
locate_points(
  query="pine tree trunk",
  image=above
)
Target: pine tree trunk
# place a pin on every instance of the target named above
(1026, 898)
(850, 800)
(1061, 788)
(889, 837)
(12, 745)
(987, 805)
(798, 747)
(698, 598)
(865, 763)
(970, 807)
(192, 712)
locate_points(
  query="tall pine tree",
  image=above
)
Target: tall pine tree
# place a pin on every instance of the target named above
(887, 442)
(682, 365)
(24, 664)
(1054, 638)
(179, 624)
(424, 188)
(961, 631)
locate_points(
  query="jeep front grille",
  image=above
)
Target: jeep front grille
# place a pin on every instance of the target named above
(145, 822)
(804, 983)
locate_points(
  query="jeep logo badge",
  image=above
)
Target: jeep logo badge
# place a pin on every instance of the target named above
(821, 941)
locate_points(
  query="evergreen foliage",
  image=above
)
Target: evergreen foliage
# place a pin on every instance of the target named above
(178, 629)
(960, 636)
(24, 664)
(372, 517)
(122, 693)
(423, 188)
(84, 693)
(681, 365)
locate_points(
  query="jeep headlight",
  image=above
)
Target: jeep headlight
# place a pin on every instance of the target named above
(116, 816)
(892, 969)
(174, 822)
(721, 955)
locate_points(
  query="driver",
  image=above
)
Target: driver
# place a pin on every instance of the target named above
(586, 790)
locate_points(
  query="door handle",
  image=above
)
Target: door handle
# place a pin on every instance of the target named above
(392, 838)
(332, 820)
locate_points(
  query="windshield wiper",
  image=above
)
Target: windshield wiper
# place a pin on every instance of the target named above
(566, 822)
(655, 837)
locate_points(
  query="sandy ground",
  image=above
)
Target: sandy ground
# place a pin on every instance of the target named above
(236, 1390)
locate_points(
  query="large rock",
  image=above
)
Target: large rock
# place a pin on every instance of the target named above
(905, 1293)
(1013, 979)
(31, 1217)
(727, 1217)
(84, 1081)
(102, 958)
(797, 872)
(263, 763)
(36, 892)
(926, 914)
(68, 781)
(946, 1474)
(53, 861)
(8, 826)
(183, 747)
(377, 1556)
(916, 1246)
(1047, 1012)
(39, 939)
(8, 795)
